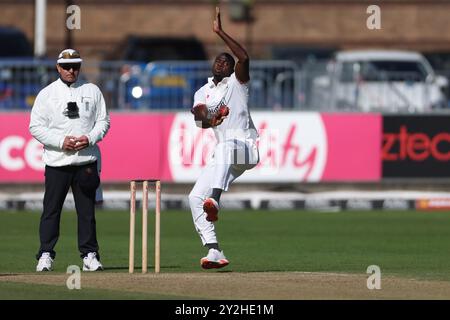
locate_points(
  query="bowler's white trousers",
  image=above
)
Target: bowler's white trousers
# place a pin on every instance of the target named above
(230, 159)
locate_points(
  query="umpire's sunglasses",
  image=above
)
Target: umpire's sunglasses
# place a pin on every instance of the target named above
(68, 66)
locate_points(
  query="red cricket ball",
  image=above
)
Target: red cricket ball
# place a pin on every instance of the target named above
(224, 111)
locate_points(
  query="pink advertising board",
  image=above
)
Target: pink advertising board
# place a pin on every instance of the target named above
(294, 147)
(20, 153)
(354, 147)
(136, 147)
(133, 148)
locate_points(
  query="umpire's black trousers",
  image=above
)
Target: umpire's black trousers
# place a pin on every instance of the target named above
(84, 181)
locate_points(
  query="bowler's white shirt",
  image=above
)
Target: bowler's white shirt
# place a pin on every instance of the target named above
(232, 93)
(50, 126)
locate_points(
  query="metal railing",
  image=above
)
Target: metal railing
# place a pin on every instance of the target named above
(172, 85)
(274, 85)
(21, 80)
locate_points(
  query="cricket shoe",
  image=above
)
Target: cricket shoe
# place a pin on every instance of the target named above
(214, 260)
(45, 262)
(211, 207)
(91, 263)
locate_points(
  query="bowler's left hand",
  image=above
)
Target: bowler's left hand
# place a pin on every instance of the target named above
(81, 143)
(217, 24)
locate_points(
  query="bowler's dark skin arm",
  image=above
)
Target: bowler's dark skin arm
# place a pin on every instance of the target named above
(242, 68)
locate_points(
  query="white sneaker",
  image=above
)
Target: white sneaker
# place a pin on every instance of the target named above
(45, 262)
(214, 260)
(91, 263)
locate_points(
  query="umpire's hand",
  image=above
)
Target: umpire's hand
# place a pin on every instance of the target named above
(81, 143)
(69, 143)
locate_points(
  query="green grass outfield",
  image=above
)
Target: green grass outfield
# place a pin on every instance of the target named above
(401, 243)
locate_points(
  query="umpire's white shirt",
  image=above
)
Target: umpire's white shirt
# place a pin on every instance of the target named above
(50, 126)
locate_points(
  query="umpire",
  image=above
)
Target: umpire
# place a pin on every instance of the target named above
(69, 118)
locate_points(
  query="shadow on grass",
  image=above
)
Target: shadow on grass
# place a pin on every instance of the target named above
(140, 268)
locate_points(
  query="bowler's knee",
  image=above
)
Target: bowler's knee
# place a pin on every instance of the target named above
(194, 199)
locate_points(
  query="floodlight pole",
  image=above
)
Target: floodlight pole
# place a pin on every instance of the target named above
(39, 28)
(69, 41)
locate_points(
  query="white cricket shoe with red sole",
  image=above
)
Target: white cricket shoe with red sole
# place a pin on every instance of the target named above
(211, 207)
(214, 260)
